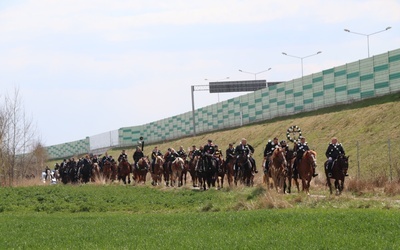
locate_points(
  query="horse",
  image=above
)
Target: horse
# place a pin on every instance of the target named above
(109, 170)
(140, 172)
(124, 171)
(85, 171)
(185, 171)
(290, 158)
(177, 167)
(95, 176)
(244, 170)
(278, 168)
(220, 173)
(166, 172)
(158, 171)
(306, 169)
(193, 165)
(205, 173)
(339, 170)
(229, 170)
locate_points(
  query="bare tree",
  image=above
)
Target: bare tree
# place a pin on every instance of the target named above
(17, 139)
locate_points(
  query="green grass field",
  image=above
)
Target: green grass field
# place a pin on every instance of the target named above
(126, 217)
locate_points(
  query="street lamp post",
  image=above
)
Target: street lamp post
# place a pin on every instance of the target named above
(255, 74)
(208, 80)
(367, 35)
(301, 58)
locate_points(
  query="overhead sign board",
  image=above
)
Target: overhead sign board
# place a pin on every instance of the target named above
(237, 86)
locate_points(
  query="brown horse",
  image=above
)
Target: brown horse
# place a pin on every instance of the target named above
(95, 176)
(193, 165)
(267, 173)
(220, 173)
(339, 170)
(185, 171)
(177, 167)
(158, 171)
(306, 169)
(141, 169)
(278, 168)
(124, 171)
(229, 170)
(290, 158)
(109, 170)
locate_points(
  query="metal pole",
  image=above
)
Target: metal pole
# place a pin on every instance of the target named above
(194, 122)
(358, 160)
(302, 67)
(390, 161)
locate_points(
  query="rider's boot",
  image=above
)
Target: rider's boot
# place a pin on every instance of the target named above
(314, 174)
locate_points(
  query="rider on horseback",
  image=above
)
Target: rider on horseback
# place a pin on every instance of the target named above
(230, 152)
(194, 152)
(244, 148)
(123, 156)
(269, 149)
(208, 151)
(218, 156)
(333, 151)
(156, 152)
(137, 156)
(171, 156)
(301, 147)
(181, 152)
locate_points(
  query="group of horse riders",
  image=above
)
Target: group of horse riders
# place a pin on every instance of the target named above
(334, 150)
(71, 170)
(209, 153)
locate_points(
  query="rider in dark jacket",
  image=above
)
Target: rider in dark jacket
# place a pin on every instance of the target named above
(269, 149)
(333, 151)
(156, 152)
(244, 148)
(137, 156)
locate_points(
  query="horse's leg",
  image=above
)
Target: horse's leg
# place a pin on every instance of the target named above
(337, 186)
(328, 182)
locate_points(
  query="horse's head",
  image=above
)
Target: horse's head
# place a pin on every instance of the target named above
(159, 160)
(144, 163)
(343, 162)
(311, 156)
(278, 156)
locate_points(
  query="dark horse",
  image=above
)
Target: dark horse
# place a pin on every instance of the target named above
(206, 173)
(220, 171)
(244, 172)
(339, 170)
(124, 171)
(306, 169)
(290, 158)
